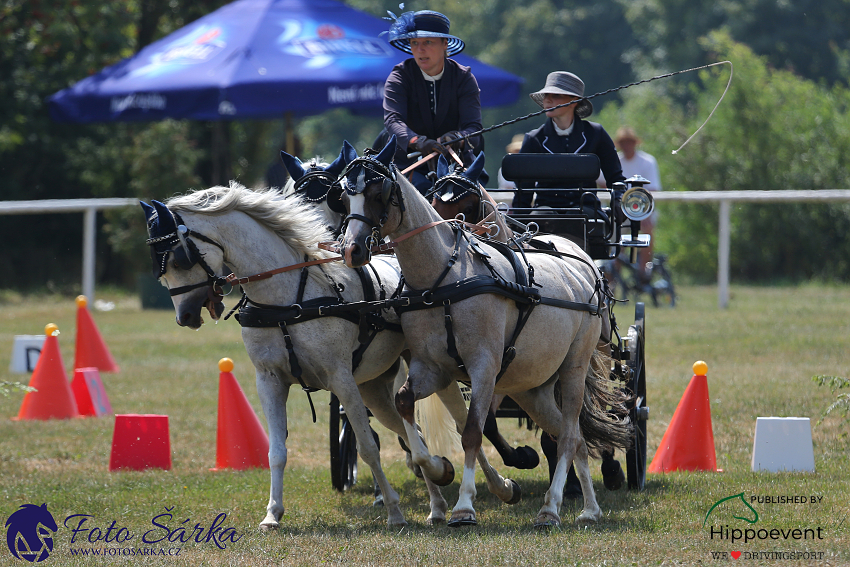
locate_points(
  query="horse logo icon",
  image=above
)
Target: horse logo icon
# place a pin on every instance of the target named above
(30, 533)
(739, 496)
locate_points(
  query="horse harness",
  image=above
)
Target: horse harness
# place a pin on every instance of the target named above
(365, 313)
(524, 291)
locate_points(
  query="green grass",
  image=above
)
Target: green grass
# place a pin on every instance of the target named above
(761, 352)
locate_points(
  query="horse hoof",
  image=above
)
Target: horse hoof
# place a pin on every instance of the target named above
(526, 458)
(612, 475)
(268, 528)
(378, 503)
(586, 519)
(516, 492)
(435, 521)
(448, 474)
(462, 518)
(546, 520)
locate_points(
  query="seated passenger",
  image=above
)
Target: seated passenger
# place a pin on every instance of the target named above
(566, 132)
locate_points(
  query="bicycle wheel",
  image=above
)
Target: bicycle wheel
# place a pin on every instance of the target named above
(663, 292)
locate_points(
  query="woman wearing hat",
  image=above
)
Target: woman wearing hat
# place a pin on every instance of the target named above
(567, 132)
(429, 99)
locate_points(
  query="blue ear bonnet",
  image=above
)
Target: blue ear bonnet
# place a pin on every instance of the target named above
(314, 182)
(454, 185)
(368, 169)
(162, 234)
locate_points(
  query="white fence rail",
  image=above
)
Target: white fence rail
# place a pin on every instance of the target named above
(89, 208)
(725, 198)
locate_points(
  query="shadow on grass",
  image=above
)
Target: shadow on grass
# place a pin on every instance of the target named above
(624, 511)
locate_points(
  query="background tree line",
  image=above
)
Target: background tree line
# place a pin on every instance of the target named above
(784, 123)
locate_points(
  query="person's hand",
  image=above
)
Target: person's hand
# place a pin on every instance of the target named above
(453, 139)
(428, 146)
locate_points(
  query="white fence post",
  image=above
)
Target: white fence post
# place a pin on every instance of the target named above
(723, 240)
(89, 228)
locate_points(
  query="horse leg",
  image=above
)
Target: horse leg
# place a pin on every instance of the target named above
(521, 457)
(273, 395)
(377, 395)
(438, 469)
(507, 490)
(349, 396)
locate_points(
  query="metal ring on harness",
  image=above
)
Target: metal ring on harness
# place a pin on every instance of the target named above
(300, 311)
(428, 293)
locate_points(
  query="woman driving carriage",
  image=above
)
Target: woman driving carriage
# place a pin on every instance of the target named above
(566, 132)
(430, 101)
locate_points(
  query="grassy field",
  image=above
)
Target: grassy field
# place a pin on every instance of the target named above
(761, 352)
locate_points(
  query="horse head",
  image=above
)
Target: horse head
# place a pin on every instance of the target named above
(169, 237)
(457, 190)
(369, 186)
(315, 183)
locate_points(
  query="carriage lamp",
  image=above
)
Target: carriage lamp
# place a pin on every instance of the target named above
(637, 203)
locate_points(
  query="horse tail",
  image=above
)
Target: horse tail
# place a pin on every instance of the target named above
(438, 427)
(604, 415)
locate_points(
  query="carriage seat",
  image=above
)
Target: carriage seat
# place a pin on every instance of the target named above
(589, 221)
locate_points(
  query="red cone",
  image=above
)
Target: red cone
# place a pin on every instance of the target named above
(89, 392)
(53, 398)
(140, 442)
(241, 441)
(91, 350)
(688, 443)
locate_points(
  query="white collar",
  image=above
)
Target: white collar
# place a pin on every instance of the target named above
(435, 77)
(566, 131)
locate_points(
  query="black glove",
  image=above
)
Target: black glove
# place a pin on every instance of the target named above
(453, 139)
(428, 146)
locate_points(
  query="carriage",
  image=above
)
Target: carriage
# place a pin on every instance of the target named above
(603, 231)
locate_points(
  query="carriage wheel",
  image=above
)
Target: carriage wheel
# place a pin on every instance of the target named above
(636, 456)
(343, 446)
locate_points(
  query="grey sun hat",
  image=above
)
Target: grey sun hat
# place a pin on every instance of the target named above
(562, 82)
(424, 23)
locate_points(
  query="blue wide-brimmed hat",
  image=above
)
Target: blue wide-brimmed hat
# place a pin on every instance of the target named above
(424, 23)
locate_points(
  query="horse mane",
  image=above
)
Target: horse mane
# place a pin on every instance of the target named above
(296, 222)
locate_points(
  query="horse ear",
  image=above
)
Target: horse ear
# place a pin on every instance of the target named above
(165, 220)
(442, 167)
(293, 166)
(386, 155)
(474, 170)
(149, 211)
(349, 152)
(340, 162)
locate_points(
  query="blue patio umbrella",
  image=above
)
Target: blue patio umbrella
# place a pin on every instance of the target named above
(257, 59)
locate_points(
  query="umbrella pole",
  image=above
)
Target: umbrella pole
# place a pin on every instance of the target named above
(290, 134)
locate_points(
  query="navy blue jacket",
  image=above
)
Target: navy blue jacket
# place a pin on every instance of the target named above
(585, 138)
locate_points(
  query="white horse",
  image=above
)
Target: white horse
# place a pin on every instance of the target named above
(312, 181)
(253, 232)
(481, 331)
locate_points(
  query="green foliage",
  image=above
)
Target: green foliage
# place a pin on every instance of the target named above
(842, 400)
(761, 138)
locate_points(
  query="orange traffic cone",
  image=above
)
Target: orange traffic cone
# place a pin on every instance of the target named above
(688, 443)
(91, 350)
(53, 398)
(241, 441)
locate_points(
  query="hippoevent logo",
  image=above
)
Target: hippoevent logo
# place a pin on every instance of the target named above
(744, 530)
(30, 531)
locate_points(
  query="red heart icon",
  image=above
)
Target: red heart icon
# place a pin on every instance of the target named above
(735, 554)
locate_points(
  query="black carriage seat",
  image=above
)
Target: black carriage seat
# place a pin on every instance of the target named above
(589, 222)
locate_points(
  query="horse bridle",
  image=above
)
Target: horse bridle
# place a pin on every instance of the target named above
(390, 192)
(186, 256)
